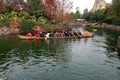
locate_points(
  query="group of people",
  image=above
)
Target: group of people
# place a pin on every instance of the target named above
(63, 33)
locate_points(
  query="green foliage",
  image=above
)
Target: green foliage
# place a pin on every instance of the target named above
(13, 14)
(4, 22)
(36, 7)
(116, 8)
(108, 20)
(76, 15)
(100, 15)
(117, 22)
(27, 26)
(42, 20)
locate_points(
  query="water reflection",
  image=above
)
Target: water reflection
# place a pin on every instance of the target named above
(60, 59)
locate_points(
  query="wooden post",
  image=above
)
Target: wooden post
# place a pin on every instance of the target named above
(119, 44)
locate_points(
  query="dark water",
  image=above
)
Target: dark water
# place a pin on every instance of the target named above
(69, 59)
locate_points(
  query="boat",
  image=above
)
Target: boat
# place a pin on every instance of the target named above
(43, 38)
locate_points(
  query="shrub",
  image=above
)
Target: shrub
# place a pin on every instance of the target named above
(27, 26)
(4, 22)
(109, 21)
(42, 20)
(117, 22)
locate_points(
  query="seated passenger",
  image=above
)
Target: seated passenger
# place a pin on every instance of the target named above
(79, 33)
(57, 34)
(66, 33)
(47, 35)
(37, 35)
(75, 33)
(41, 34)
(29, 34)
(51, 34)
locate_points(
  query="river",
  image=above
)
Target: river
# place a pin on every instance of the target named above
(93, 58)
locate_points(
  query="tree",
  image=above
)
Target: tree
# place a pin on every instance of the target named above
(19, 5)
(36, 7)
(116, 7)
(63, 7)
(86, 14)
(51, 9)
(2, 6)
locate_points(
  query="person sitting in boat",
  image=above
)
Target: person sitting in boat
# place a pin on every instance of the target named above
(70, 33)
(37, 35)
(41, 34)
(79, 33)
(47, 35)
(62, 33)
(66, 33)
(85, 33)
(57, 34)
(51, 34)
(29, 34)
(75, 33)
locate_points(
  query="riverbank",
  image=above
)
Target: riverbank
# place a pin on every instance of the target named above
(7, 30)
(112, 27)
(101, 25)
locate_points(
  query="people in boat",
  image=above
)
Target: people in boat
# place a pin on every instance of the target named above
(37, 35)
(57, 34)
(63, 33)
(41, 34)
(29, 34)
(47, 35)
(66, 33)
(79, 33)
(85, 33)
(51, 34)
(75, 33)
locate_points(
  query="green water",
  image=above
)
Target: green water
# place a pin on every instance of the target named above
(69, 59)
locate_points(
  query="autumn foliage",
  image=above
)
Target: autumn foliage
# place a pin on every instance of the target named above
(2, 6)
(59, 10)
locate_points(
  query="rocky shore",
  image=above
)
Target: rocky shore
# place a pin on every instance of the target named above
(112, 27)
(103, 25)
(6, 30)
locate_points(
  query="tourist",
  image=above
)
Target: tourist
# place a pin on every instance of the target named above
(57, 34)
(29, 34)
(51, 34)
(47, 35)
(41, 34)
(37, 35)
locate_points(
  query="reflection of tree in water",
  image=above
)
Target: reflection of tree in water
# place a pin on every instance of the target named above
(32, 52)
(111, 41)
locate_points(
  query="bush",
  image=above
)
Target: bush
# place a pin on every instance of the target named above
(27, 26)
(42, 20)
(109, 21)
(117, 22)
(4, 22)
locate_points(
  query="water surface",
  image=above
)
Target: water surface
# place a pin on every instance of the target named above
(93, 58)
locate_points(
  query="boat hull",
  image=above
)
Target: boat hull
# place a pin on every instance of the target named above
(42, 38)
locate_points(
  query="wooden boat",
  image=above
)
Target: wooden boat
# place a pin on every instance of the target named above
(42, 38)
